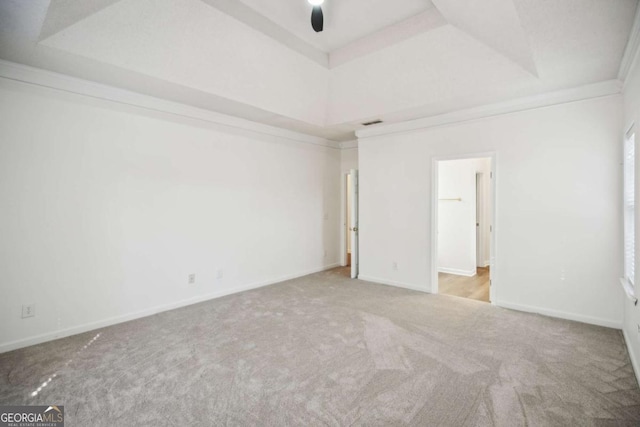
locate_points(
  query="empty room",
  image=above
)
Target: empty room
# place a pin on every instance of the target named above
(308, 212)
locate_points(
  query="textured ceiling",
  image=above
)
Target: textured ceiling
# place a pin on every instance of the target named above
(501, 29)
(64, 13)
(345, 20)
(376, 59)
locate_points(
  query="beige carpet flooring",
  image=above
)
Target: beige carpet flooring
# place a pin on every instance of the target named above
(324, 350)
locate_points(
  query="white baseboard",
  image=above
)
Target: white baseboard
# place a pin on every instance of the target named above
(487, 263)
(62, 333)
(393, 283)
(467, 273)
(560, 314)
(632, 355)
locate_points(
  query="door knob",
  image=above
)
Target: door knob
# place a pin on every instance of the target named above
(355, 229)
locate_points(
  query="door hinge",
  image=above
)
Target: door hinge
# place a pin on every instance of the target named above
(490, 174)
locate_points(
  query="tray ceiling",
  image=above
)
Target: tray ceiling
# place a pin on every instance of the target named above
(376, 59)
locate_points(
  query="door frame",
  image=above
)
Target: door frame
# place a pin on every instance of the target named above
(493, 252)
(481, 257)
(345, 221)
(355, 223)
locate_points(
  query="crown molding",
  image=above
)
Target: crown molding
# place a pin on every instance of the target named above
(630, 57)
(596, 90)
(64, 83)
(349, 144)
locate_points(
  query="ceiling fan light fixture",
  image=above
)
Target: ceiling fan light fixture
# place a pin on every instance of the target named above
(317, 17)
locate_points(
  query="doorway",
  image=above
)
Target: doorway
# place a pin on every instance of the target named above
(347, 223)
(351, 231)
(463, 227)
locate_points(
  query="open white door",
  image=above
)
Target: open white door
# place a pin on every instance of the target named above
(492, 235)
(354, 223)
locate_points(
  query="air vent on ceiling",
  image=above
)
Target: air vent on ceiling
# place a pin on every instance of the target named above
(375, 122)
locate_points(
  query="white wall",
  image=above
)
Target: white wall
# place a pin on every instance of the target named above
(106, 210)
(457, 241)
(349, 159)
(558, 223)
(632, 117)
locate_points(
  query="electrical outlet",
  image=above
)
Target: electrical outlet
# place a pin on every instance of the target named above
(219, 274)
(28, 310)
(394, 266)
(192, 278)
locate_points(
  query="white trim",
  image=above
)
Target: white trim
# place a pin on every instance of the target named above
(349, 144)
(629, 290)
(487, 263)
(343, 217)
(467, 273)
(354, 222)
(49, 336)
(631, 130)
(434, 226)
(480, 218)
(60, 82)
(560, 314)
(596, 90)
(393, 283)
(632, 355)
(630, 56)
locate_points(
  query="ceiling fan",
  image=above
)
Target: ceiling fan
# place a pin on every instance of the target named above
(317, 19)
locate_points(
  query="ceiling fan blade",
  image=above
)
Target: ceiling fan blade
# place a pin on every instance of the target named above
(317, 19)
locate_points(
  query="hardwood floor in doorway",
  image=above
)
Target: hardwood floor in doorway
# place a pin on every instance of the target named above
(476, 287)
